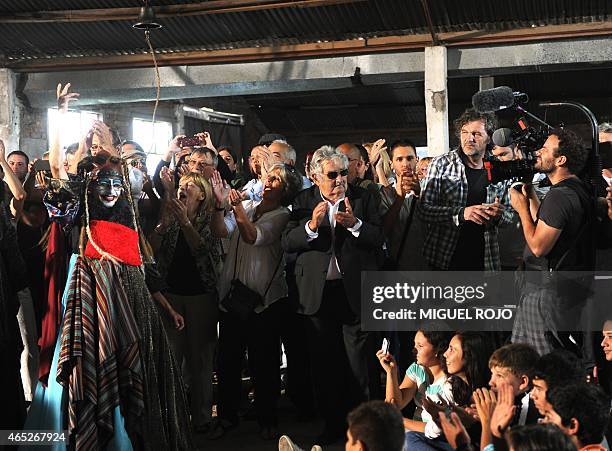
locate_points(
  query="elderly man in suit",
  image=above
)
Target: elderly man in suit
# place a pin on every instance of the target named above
(336, 230)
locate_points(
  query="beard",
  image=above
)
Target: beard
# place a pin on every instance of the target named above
(544, 168)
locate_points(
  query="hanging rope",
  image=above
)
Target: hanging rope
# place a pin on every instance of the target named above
(157, 86)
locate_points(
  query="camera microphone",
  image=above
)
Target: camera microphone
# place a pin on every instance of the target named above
(496, 99)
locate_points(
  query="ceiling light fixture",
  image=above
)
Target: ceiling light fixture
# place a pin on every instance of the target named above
(146, 19)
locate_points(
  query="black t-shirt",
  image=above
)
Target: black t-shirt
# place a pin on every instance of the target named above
(183, 276)
(565, 208)
(469, 253)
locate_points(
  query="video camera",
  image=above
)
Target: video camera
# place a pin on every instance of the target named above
(528, 140)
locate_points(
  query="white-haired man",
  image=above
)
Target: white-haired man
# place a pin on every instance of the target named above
(336, 231)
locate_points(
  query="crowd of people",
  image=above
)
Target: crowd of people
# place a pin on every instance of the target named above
(125, 292)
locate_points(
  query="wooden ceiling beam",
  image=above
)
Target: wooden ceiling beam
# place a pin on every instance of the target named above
(319, 49)
(188, 9)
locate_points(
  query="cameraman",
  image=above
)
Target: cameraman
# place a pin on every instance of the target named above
(559, 237)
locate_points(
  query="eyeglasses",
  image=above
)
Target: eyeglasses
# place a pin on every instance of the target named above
(138, 162)
(200, 164)
(333, 175)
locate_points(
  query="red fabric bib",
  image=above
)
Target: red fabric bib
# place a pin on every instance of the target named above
(116, 239)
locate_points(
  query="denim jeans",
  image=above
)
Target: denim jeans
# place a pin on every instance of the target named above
(416, 441)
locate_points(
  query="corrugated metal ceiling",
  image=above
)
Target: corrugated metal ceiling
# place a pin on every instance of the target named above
(266, 27)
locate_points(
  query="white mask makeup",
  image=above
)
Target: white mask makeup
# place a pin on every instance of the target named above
(109, 189)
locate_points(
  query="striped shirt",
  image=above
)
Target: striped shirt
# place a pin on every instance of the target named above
(443, 201)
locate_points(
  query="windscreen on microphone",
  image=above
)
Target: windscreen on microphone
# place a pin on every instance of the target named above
(491, 100)
(502, 137)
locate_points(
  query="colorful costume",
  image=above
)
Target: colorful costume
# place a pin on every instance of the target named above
(119, 385)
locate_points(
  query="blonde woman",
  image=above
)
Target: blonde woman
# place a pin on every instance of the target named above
(187, 256)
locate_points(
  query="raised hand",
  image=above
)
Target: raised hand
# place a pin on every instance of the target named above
(235, 198)
(434, 409)
(387, 361)
(105, 137)
(2, 151)
(179, 210)
(264, 156)
(407, 183)
(374, 151)
(453, 429)
(206, 140)
(504, 410)
(64, 97)
(485, 401)
(318, 214)
(221, 189)
(182, 170)
(519, 200)
(401, 188)
(346, 218)
(466, 414)
(41, 181)
(173, 145)
(166, 175)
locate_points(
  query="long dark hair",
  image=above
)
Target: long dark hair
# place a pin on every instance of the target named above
(477, 349)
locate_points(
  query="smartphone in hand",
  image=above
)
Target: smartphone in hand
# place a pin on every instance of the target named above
(385, 346)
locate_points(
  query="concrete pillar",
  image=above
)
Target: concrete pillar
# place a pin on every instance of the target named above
(436, 100)
(486, 82)
(10, 111)
(178, 119)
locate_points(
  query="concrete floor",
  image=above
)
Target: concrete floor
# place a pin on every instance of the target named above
(246, 436)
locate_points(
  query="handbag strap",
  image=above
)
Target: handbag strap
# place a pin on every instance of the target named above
(273, 274)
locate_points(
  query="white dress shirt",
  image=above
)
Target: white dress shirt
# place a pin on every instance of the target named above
(333, 271)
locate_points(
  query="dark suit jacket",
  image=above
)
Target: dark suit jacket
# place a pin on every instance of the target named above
(354, 254)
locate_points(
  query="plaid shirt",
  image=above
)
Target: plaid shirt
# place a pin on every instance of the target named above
(443, 200)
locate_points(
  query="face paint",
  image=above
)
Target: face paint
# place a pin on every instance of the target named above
(109, 188)
(136, 182)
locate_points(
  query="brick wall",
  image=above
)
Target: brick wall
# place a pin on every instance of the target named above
(33, 138)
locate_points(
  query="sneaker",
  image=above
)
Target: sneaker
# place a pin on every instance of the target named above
(286, 444)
